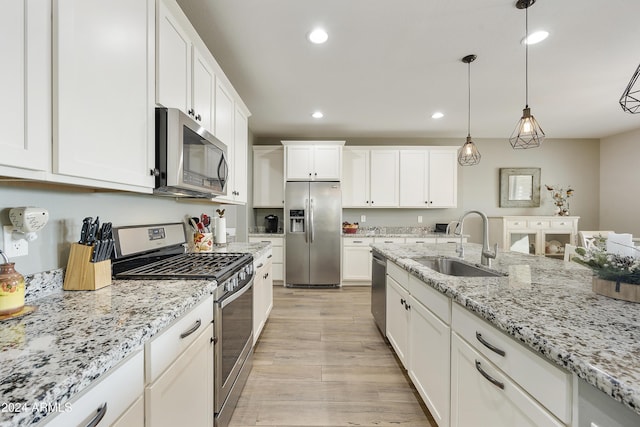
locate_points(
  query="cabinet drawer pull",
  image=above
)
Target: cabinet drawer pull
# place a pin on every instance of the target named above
(269, 256)
(100, 413)
(402, 301)
(265, 241)
(357, 241)
(489, 345)
(192, 330)
(489, 378)
(388, 241)
(259, 266)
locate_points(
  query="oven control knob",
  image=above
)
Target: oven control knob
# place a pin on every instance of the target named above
(242, 275)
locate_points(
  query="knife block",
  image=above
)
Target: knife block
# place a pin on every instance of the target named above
(84, 275)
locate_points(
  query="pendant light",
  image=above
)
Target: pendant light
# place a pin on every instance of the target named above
(528, 133)
(468, 154)
(629, 101)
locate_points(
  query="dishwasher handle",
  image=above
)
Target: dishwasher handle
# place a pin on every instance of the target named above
(379, 260)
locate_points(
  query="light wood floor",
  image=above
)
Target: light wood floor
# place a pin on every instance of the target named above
(321, 361)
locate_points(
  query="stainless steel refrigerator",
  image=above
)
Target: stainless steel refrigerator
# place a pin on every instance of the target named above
(313, 221)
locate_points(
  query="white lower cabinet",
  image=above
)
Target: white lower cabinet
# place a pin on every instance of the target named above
(467, 372)
(356, 259)
(398, 312)
(179, 371)
(133, 417)
(183, 394)
(429, 348)
(115, 399)
(262, 293)
(277, 251)
(481, 395)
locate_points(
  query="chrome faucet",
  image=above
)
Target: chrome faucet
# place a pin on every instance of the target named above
(487, 255)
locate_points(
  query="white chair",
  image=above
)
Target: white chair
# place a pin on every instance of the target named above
(586, 239)
(569, 252)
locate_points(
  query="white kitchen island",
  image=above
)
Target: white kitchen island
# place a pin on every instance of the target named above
(543, 311)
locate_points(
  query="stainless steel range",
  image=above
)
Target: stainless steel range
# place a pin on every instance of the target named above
(158, 252)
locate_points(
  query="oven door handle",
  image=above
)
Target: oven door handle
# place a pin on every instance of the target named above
(225, 302)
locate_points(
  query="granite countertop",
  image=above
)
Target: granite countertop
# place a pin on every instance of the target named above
(74, 337)
(549, 306)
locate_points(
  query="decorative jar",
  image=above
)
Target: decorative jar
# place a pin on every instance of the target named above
(11, 289)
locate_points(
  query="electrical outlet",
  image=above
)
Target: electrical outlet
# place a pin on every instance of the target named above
(419, 219)
(14, 248)
(363, 218)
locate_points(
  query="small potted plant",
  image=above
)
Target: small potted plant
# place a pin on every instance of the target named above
(615, 276)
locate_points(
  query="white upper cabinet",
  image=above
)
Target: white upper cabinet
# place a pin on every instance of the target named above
(224, 112)
(203, 90)
(443, 177)
(238, 159)
(370, 178)
(429, 177)
(355, 177)
(173, 66)
(268, 176)
(103, 91)
(25, 85)
(184, 73)
(313, 160)
(384, 179)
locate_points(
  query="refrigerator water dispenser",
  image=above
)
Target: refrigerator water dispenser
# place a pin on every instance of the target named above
(296, 221)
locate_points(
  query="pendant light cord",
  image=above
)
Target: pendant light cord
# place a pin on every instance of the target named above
(469, 103)
(526, 56)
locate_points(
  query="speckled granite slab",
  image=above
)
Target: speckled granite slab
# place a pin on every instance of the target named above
(548, 305)
(74, 337)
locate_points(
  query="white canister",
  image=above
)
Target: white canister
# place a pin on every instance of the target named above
(221, 230)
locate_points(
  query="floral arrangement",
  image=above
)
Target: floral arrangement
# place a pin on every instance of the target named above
(560, 198)
(609, 266)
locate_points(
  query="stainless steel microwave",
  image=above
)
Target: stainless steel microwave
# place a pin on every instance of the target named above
(190, 161)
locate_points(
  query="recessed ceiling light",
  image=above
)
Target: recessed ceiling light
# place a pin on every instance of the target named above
(437, 115)
(318, 36)
(317, 115)
(536, 37)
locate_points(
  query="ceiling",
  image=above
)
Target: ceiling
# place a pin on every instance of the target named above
(390, 64)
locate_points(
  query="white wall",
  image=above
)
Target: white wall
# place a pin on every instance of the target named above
(564, 162)
(619, 183)
(67, 207)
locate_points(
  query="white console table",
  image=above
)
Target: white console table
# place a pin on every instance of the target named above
(536, 235)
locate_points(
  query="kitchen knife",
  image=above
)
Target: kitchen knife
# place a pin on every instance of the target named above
(95, 256)
(84, 232)
(91, 235)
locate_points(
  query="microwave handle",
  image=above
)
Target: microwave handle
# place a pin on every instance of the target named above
(222, 162)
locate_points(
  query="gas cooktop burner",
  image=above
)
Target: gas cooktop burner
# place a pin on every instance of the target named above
(215, 265)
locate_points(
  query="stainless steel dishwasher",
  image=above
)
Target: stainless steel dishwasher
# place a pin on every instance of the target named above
(378, 291)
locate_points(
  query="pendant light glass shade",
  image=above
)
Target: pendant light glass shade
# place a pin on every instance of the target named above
(468, 154)
(630, 99)
(527, 133)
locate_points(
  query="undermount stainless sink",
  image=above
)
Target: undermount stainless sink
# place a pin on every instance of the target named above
(455, 267)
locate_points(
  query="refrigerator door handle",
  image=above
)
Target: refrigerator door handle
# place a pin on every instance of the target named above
(311, 228)
(306, 220)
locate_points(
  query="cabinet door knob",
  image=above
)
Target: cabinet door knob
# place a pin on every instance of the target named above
(155, 172)
(198, 118)
(191, 112)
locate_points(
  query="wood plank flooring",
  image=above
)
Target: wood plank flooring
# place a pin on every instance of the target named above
(321, 361)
